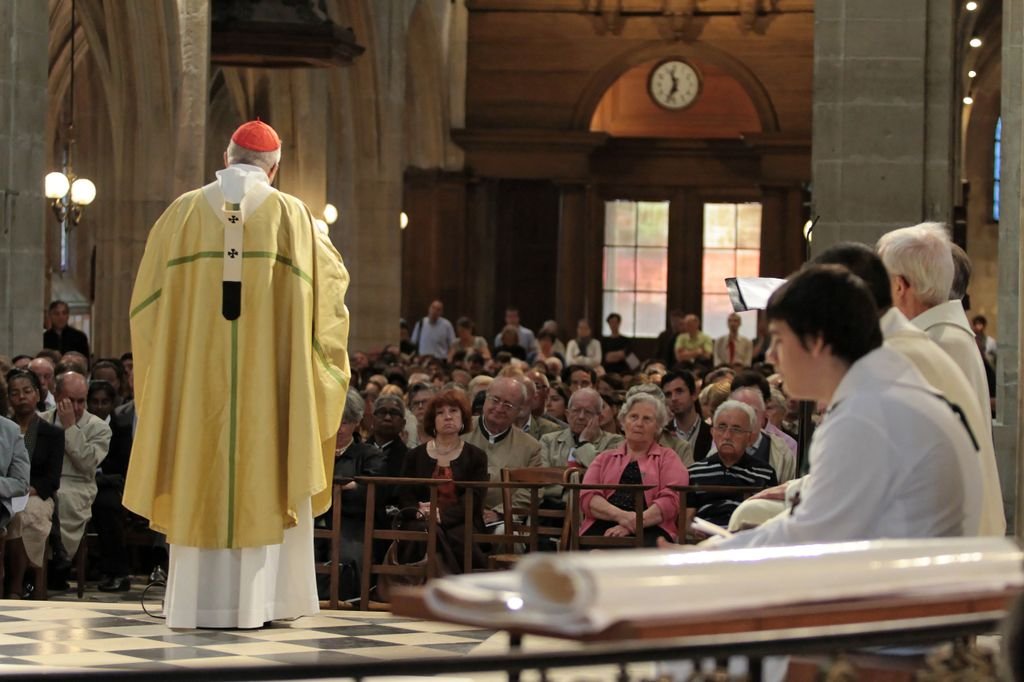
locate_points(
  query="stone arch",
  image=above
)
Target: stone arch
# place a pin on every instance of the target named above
(606, 76)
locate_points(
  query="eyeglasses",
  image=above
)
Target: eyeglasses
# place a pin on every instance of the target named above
(496, 401)
(388, 413)
(419, 403)
(733, 430)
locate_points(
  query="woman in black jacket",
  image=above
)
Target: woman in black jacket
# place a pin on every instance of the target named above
(29, 529)
(445, 457)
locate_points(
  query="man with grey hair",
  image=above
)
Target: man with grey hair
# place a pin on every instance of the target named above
(579, 443)
(667, 439)
(922, 270)
(43, 368)
(766, 447)
(734, 428)
(231, 463)
(506, 445)
(536, 425)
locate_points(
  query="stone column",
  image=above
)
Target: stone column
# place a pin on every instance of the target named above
(193, 94)
(884, 116)
(1007, 432)
(23, 212)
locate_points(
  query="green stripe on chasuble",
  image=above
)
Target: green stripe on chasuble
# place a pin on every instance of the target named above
(145, 304)
(331, 369)
(233, 433)
(283, 260)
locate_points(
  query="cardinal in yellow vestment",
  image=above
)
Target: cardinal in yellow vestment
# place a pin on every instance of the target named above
(239, 332)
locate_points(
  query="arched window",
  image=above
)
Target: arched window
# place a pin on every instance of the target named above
(996, 156)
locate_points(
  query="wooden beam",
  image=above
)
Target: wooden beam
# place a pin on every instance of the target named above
(659, 7)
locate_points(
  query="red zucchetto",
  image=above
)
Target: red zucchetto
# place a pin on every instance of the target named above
(257, 136)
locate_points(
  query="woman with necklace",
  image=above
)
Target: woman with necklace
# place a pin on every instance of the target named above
(445, 456)
(30, 528)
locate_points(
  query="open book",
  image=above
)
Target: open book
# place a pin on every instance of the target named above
(587, 592)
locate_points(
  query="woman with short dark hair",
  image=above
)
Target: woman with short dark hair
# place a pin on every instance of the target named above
(445, 457)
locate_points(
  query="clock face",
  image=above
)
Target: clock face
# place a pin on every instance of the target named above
(674, 84)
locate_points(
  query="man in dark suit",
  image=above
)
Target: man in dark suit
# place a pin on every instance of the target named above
(108, 515)
(61, 336)
(681, 393)
(388, 426)
(666, 349)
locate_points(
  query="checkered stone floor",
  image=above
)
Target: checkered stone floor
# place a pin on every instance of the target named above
(82, 634)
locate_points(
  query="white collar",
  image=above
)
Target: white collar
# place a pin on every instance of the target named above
(949, 312)
(237, 179)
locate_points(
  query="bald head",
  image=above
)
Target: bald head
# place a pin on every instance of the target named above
(750, 395)
(73, 387)
(43, 369)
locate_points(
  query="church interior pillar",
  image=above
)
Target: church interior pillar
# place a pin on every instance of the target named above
(884, 117)
(1008, 437)
(23, 69)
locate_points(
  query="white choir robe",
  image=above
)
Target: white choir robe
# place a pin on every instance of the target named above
(243, 588)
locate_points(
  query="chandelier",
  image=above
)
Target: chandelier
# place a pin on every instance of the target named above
(67, 192)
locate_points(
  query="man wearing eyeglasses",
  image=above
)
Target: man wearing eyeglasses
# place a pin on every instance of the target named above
(579, 443)
(506, 444)
(735, 429)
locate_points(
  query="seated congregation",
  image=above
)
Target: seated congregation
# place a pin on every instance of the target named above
(454, 455)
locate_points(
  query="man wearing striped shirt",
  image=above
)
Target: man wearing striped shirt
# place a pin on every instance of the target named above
(734, 429)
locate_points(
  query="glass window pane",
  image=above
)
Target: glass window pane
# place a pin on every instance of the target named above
(748, 262)
(620, 223)
(619, 268)
(652, 223)
(748, 219)
(715, 311)
(650, 315)
(719, 226)
(622, 303)
(718, 264)
(652, 269)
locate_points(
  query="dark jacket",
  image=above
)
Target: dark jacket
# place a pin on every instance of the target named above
(702, 446)
(46, 450)
(121, 428)
(394, 463)
(67, 340)
(360, 459)
(471, 465)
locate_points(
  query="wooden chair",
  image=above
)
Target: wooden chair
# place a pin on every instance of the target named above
(488, 539)
(333, 535)
(525, 523)
(598, 541)
(429, 569)
(743, 491)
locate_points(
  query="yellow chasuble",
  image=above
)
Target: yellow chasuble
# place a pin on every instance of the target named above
(236, 418)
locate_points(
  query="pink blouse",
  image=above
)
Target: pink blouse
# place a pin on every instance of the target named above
(661, 468)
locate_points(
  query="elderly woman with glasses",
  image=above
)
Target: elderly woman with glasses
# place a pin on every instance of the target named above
(638, 460)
